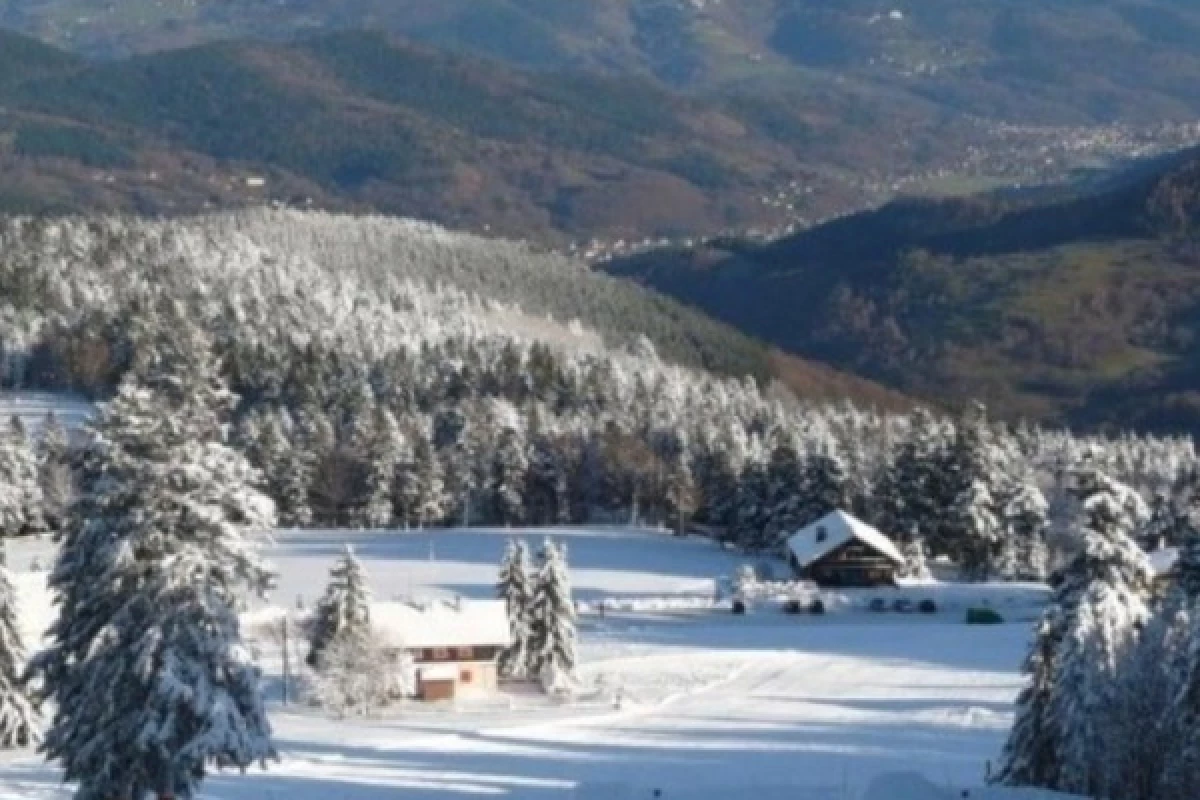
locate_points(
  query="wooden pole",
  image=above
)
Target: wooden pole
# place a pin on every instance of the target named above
(286, 664)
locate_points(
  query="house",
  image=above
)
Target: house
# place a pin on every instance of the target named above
(840, 550)
(1163, 562)
(455, 645)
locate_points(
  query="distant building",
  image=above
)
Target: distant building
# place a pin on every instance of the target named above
(840, 550)
(1163, 561)
(455, 645)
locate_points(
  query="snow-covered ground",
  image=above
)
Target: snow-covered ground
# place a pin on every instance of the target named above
(715, 706)
(32, 408)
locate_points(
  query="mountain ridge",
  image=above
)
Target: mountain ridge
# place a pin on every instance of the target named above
(1074, 305)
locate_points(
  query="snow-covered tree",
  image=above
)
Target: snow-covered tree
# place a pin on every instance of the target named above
(343, 610)
(507, 479)
(516, 588)
(150, 680)
(1031, 755)
(784, 486)
(1098, 607)
(54, 472)
(976, 531)
(20, 490)
(384, 452)
(361, 675)
(824, 484)
(915, 566)
(1024, 516)
(552, 656)
(19, 724)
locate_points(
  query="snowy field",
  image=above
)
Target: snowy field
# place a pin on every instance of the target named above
(716, 706)
(32, 407)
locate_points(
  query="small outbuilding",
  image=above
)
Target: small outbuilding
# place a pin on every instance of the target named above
(840, 550)
(454, 645)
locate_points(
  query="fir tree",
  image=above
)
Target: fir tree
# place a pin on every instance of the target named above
(1031, 755)
(507, 486)
(20, 492)
(516, 590)
(824, 484)
(976, 531)
(1098, 606)
(18, 720)
(547, 489)
(552, 656)
(386, 449)
(781, 510)
(680, 490)
(54, 472)
(344, 610)
(150, 680)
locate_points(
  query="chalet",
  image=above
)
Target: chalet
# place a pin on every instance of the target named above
(839, 550)
(455, 645)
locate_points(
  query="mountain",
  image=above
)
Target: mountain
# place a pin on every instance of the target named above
(1062, 60)
(1072, 304)
(363, 121)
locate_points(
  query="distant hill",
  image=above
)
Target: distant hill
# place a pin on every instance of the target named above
(1074, 304)
(359, 121)
(1064, 60)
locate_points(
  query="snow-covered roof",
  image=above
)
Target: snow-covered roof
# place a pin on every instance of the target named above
(439, 623)
(1164, 560)
(834, 530)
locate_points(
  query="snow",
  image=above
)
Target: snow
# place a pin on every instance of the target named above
(697, 703)
(1162, 561)
(834, 530)
(32, 408)
(439, 623)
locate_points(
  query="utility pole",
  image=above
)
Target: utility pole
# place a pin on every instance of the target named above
(286, 664)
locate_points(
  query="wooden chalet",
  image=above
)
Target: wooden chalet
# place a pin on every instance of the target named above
(839, 550)
(455, 645)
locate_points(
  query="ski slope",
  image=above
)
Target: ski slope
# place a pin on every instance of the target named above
(714, 706)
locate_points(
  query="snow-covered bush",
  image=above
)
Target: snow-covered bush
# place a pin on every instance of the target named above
(360, 677)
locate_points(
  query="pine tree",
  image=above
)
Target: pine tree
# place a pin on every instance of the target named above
(976, 531)
(387, 448)
(1025, 513)
(781, 509)
(824, 484)
(1031, 755)
(680, 490)
(552, 657)
(1098, 606)
(969, 527)
(507, 486)
(516, 590)
(753, 515)
(150, 680)
(547, 489)
(344, 610)
(18, 721)
(908, 495)
(54, 472)
(20, 492)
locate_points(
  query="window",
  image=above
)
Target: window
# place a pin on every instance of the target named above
(822, 534)
(465, 676)
(441, 654)
(464, 654)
